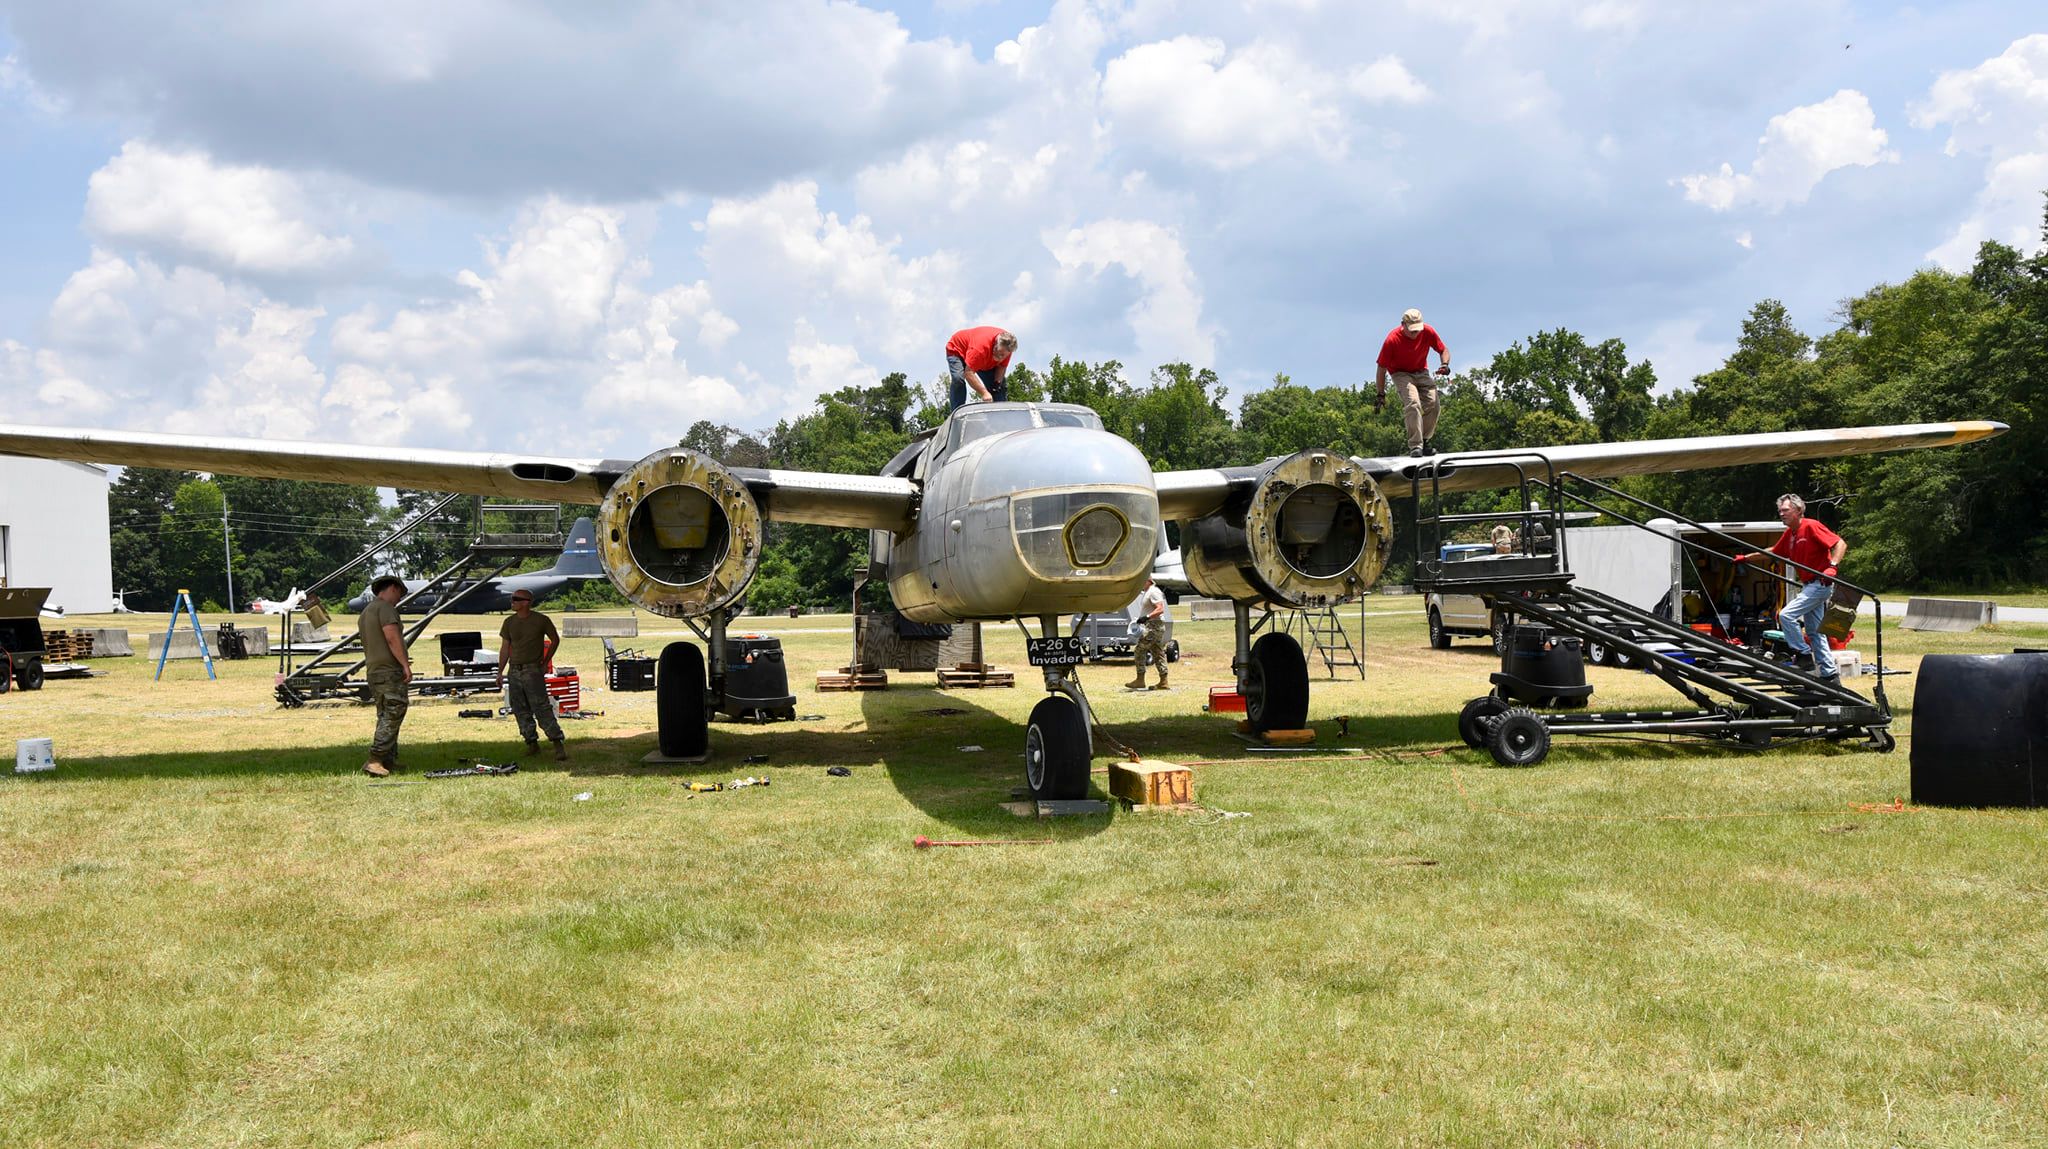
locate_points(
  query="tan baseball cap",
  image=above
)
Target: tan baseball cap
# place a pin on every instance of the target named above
(1411, 319)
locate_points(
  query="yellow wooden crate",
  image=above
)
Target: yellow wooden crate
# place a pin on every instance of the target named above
(1149, 782)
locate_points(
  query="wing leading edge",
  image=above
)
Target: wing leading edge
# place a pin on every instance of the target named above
(1191, 494)
(790, 496)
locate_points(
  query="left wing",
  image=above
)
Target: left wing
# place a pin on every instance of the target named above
(1192, 494)
(864, 501)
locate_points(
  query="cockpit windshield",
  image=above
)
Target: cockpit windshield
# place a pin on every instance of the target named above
(969, 424)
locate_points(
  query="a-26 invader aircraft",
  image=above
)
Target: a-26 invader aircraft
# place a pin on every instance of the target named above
(1005, 511)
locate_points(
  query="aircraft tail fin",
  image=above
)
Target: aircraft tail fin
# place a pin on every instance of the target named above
(579, 551)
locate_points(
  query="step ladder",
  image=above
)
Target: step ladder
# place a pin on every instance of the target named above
(183, 605)
(1323, 635)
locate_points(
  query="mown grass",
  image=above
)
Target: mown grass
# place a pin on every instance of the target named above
(216, 932)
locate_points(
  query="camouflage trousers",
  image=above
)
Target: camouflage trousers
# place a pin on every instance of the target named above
(387, 691)
(526, 688)
(1152, 643)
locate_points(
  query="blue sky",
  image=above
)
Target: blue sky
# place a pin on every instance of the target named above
(453, 226)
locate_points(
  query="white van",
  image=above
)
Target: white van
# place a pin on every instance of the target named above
(1647, 570)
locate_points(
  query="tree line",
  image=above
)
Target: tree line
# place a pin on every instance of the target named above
(1939, 346)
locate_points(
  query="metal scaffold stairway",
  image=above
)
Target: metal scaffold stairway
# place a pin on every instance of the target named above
(1739, 694)
(491, 555)
(1323, 635)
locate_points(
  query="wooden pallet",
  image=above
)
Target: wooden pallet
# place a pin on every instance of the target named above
(972, 677)
(852, 678)
(67, 645)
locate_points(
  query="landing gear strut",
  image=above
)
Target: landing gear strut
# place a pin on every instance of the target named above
(1059, 745)
(1272, 675)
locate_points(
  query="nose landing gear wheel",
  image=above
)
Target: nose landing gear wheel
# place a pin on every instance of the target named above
(1472, 720)
(679, 711)
(1056, 757)
(1276, 685)
(1519, 738)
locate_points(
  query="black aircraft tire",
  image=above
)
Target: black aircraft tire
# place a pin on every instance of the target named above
(1056, 757)
(1519, 738)
(1472, 719)
(679, 709)
(1438, 636)
(1503, 632)
(1276, 695)
(30, 676)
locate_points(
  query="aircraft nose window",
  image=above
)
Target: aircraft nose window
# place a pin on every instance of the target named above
(971, 425)
(1055, 418)
(1094, 536)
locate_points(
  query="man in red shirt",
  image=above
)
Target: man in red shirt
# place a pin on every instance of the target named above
(1405, 356)
(979, 357)
(1808, 542)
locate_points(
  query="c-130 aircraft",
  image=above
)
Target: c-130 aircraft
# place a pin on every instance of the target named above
(1005, 511)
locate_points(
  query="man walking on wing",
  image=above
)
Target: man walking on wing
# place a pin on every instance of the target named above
(1808, 542)
(526, 645)
(1404, 355)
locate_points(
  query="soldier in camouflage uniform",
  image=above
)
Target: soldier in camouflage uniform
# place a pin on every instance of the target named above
(388, 668)
(1151, 635)
(526, 644)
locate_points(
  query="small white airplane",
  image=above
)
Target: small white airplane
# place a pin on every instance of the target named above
(1005, 511)
(290, 602)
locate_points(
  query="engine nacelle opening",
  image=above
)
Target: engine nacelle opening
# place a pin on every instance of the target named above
(679, 534)
(1316, 531)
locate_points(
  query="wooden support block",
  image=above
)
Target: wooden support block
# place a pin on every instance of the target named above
(1290, 737)
(850, 679)
(1150, 782)
(976, 678)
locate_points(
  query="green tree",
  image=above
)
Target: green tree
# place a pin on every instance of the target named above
(137, 508)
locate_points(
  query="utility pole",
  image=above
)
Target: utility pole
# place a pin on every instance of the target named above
(227, 555)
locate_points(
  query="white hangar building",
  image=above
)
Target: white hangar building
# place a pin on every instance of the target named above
(53, 532)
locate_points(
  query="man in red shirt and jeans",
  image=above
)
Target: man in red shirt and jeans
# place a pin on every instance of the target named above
(1807, 541)
(1405, 355)
(979, 357)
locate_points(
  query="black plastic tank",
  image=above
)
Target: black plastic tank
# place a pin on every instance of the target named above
(1542, 668)
(756, 679)
(1980, 730)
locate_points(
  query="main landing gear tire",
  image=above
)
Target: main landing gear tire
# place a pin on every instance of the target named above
(1056, 756)
(1503, 632)
(1276, 685)
(1519, 738)
(1472, 719)
(1438, 636)
(679, 711)
(30, 676)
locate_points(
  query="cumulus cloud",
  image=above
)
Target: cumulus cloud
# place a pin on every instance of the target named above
(1387, 81)
(232, 217)
(1166, 321)
(1798, 149)
(1192, 98)
(1998, 110)
(611, 102)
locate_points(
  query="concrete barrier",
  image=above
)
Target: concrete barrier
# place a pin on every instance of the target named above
(110, 642)
(183, 646)
(1208, 609)
(1956, 614)
(306, 634)
(581, 626)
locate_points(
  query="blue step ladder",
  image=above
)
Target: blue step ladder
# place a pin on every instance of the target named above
(184, 606)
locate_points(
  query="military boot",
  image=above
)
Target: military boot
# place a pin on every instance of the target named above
(533, 746)
(1162, 681)
(561, 751)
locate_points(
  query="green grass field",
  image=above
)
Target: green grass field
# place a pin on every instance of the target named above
(216, 931)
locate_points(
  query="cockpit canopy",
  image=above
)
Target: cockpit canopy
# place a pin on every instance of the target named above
(980, 420)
